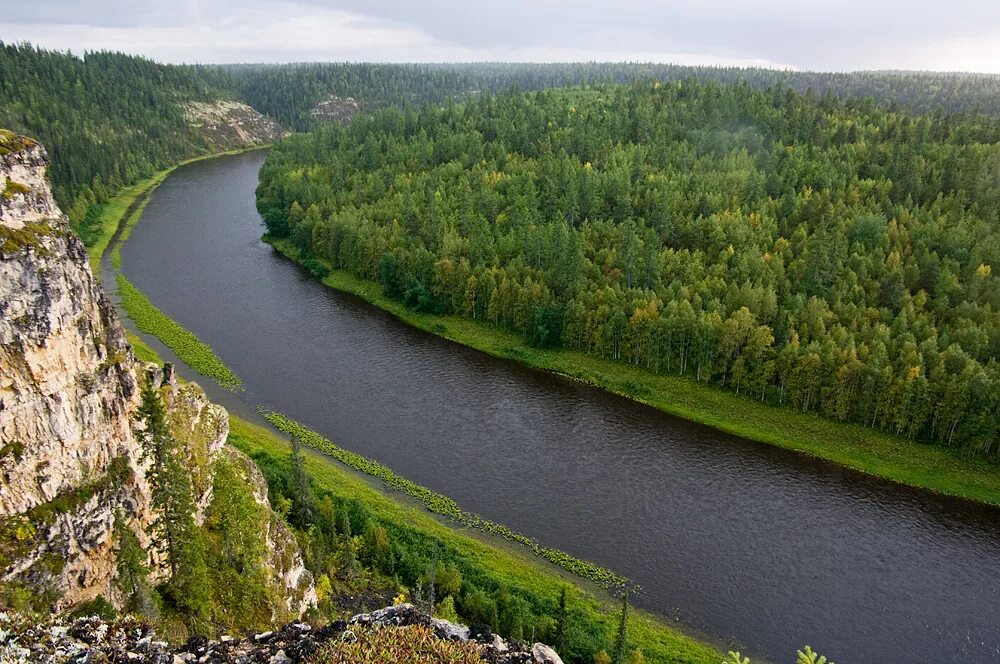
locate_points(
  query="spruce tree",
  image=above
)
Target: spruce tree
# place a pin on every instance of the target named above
(175, 530)
(132, 572)
(303, 512)
(560, 635)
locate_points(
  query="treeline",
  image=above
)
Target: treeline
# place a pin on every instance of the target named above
(110, 119)
(834, 257)
(289, 92)
(107, 120)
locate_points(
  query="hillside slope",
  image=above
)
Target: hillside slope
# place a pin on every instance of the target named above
(70, 451)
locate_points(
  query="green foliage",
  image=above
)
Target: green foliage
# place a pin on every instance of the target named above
(303, 510)
(562, 615)
(14, 449)
(807, 656)
(480, 609)
(12, 189)
(172, 498)
(804, 656)
(132, 572)
(31, 236)
(242, 594)
(825, 256)
(440, 504)
(99, 606)
(193, 352)
(445, 610)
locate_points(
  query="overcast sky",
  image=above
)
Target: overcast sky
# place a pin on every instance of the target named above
(959, 35)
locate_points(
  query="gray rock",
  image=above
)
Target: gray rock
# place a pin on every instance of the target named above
(543, 654)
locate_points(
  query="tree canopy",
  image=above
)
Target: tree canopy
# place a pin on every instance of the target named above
(832, 256)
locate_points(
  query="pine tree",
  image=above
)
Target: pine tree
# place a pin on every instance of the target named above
(175, 530)
(303, 513)
(132, 572)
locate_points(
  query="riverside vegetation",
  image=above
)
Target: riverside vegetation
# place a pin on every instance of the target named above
(828, 257)
(720, 193)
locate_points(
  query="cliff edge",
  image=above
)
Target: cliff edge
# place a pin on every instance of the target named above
(69, 395)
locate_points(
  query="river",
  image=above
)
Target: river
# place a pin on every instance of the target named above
(752, 545)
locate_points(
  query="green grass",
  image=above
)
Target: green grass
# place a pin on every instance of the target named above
(441, 504)
(505, 564)
(894, 458)
(112, 213)
(507, 567)
(126, 230)
(142, 352)
(192, 351)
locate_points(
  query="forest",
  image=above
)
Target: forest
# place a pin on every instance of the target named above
(832, 256)
(110, 119)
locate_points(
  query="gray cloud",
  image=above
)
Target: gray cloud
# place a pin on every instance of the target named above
(833, 35)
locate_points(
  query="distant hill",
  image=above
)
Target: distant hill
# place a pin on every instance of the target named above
(110, 119)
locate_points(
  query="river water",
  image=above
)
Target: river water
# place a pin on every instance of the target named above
(754, 546)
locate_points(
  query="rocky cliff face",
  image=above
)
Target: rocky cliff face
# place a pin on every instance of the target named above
(228, 125)
(69, 392)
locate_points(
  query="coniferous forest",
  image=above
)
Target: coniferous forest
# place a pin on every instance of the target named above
(830, 256)
(818, 242)
(110, 119)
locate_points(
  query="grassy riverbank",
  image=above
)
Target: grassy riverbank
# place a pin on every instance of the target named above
(497, 566)
(483, 558)
(121, 213)
(443, 505)
(113, 213)
(890, 457)
(192, 351)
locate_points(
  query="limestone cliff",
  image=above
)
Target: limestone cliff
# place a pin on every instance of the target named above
(69, 392)
(228, 124)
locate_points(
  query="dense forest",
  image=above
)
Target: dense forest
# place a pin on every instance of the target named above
(111, 119)
(289, 92)
(831, 256)
(106, 120)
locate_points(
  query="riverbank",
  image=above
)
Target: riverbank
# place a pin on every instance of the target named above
(889, 457)
(116, 220)
(125, 206)
(498, 563)
(190, 349)
(544, 570)
(658, 641)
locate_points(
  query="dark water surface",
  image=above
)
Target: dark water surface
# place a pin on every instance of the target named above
(747, 543)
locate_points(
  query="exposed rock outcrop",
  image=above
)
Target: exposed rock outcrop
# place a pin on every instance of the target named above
(69, 394)
(126, 640)
(228, 124)
(336, 109)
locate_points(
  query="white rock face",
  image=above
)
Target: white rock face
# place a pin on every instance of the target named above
(69, 392)
(228, 124)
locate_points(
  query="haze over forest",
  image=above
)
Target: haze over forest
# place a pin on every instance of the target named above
(840, 35)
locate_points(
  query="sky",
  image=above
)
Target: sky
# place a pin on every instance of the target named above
(836, 35)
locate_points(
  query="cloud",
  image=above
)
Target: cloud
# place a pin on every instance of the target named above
(831, 35)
